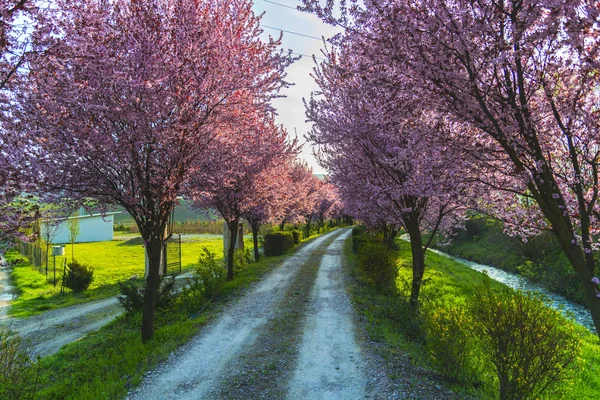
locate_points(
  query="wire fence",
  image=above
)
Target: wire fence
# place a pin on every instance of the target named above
(36, 255)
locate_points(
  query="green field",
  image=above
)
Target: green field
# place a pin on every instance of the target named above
(113, 261)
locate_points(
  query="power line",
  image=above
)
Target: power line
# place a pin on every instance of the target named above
(282, 5)
(293, 33)
(306, 55)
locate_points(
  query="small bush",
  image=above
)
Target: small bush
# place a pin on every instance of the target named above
(210, 272)
(207, 281)
(451, 342)
(192, 294)
(358, 230)
(240, 260)
(132, 294)
(79, 277)
(297, 235)
(379, 265)
(17, 371)
(278, 243)
(528, 343)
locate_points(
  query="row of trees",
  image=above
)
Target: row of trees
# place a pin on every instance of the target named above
(432, 107)
(135, 103)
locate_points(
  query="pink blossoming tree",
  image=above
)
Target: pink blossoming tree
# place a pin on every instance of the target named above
(17, 210)
(241, 174)
(390, 158)
(524, 76)
(129, 97)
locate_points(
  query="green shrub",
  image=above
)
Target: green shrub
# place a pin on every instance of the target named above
(379, 264)
(529, 345)
(211, 273)
(192, 294)
(79, 277)
(132, 294)
(278, 243)
(359, 237)
(207, 280)
(358, 230)
(18, 373)
(451, 342)
(240, 260)
(297, 235)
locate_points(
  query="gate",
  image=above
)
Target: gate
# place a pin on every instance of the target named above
(173, 255)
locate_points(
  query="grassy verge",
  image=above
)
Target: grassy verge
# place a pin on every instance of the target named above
(112, 360)
(112, 261)
(448, 281)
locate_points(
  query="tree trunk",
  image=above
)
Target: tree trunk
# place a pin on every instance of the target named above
(233, 228)
(386, 234)
(418, 262)
(578, 262)
(307, 228)
(255, 226)
(563, 231)
(153, 250)
(282, 225)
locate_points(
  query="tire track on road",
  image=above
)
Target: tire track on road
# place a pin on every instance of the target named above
(330, 363)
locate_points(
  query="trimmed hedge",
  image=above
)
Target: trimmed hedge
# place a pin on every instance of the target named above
(278, 243)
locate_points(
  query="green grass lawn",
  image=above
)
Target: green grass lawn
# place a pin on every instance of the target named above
(449, 281)
(113, 261)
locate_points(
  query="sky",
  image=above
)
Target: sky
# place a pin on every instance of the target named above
(291, 112)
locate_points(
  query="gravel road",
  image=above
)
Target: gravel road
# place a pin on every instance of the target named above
(330, 363)
(46, 333)
(293, 335)
(197, 370)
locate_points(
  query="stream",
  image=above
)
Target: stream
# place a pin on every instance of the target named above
(7, 292)
(580, 313)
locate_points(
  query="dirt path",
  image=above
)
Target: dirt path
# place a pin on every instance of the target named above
(46, 333)
(330, 363)
(234, 357)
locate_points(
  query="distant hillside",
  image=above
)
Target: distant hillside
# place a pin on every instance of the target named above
(183, 212)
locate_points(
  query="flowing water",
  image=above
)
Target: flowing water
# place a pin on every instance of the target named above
(580, 313)
(7, 292)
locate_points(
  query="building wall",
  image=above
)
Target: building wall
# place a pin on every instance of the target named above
(93, 228)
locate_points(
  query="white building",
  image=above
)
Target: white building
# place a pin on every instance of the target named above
(92, 228)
